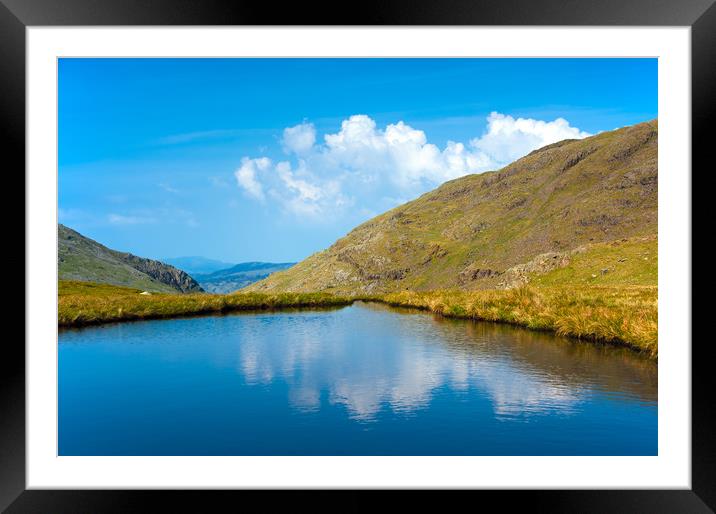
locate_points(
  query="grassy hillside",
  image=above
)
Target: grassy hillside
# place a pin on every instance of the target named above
(628, 262)
(81, 258)
(605, 292)
(502, 229)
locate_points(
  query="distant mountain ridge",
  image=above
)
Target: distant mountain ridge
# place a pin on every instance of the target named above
(239, 276)
(81, 258)
(197, 264)
(496, 229)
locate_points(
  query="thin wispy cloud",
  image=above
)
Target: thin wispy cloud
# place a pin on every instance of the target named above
(208, 135)
(121, 219)
(169, 189)
(71, 215)
(189, 137)
(165, 215)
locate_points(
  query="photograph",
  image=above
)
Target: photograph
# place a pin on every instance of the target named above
(357, 256)
(314, 255)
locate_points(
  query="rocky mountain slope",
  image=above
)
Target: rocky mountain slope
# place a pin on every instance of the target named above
(496, 229)
(238, 276)
(81, 258)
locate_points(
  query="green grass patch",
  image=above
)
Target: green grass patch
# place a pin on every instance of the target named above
(623, 262)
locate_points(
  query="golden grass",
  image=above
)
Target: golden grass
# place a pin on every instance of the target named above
(84, 303)
(625, 315)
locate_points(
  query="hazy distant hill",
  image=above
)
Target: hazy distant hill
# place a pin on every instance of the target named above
(196, 264)
(81, 258)
(494, 229)
(238, 276)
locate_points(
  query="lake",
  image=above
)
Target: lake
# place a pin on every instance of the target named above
(360, 380)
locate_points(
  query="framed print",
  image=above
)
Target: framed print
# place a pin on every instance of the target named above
(425, 250)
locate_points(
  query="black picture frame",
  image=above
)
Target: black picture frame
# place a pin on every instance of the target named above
(16, 15)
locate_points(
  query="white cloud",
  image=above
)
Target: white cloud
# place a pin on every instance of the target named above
(299, 139)
(365, 161)
(305, 197)
(306, 194)
(303, 189)
(247, 175)
(508, 138)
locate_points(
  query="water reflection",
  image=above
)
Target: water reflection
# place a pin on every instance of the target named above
(403, 361)
(362, 380)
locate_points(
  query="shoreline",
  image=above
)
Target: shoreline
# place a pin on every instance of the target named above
(205, 313)
(618, 316)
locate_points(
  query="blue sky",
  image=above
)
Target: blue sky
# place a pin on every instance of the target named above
(274, 159)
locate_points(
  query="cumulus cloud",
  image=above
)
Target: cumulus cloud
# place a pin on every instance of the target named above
(299, 139)
(247, 175)
(508, 138)
(304, 193)
(396, 161)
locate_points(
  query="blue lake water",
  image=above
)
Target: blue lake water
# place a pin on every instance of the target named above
(361, 380)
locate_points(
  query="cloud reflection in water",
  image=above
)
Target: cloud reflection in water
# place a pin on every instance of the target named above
(402, 367)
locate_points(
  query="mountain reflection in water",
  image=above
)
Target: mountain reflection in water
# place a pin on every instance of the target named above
(524, 372)
(392, 380)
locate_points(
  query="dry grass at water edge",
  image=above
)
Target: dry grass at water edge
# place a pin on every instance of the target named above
(621, 315)
(83, 303)
(625, 315)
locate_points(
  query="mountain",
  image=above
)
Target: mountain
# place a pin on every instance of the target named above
(196, 264)
(497, 229)
(238, 276)
(81, 258)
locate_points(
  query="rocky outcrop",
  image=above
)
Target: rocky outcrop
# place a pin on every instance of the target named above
(519, 275)
(163, 273)
(473, 272)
